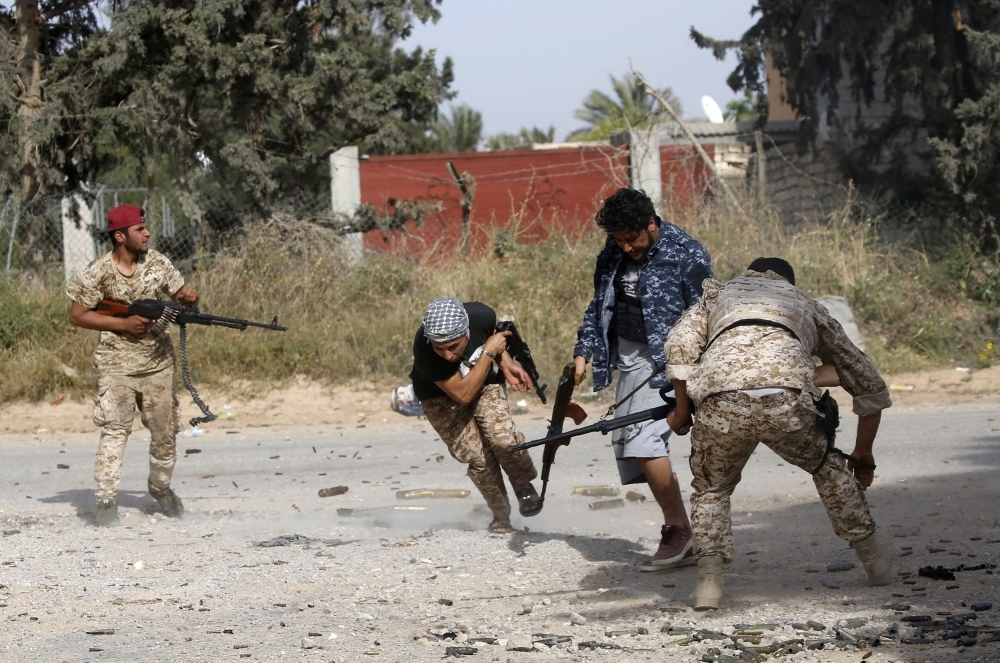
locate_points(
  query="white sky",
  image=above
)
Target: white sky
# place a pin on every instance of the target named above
(532, 62)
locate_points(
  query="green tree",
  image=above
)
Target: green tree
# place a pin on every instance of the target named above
(742, 109)
(525, 138)
(264, 90)
(461, 132)
(933, 63)
(632, 107)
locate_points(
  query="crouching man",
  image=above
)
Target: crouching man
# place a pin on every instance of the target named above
(744, 355)
(455, 355)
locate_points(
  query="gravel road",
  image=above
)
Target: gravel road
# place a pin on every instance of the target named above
(406, 585)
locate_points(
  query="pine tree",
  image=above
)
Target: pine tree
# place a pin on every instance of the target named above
(934, 62)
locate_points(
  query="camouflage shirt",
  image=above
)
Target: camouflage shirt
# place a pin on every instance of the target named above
(755, 357)
(670, 281)
(118, 353)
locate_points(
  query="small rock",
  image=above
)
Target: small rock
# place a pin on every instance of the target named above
(837, 568)
(577, 619)
(307, 643)
(527, 606)
(139, 566)
(979, 607)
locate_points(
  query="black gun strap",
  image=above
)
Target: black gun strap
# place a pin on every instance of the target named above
(611, 410)
(190, 387)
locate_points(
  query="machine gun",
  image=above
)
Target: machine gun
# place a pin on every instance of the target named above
(519, 350)
(163, 314)
(607, 425)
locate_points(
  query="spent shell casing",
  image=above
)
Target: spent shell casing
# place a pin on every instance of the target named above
(426, 493)
(596, 491)
(607, 504)
(330, 492)
(635, 496)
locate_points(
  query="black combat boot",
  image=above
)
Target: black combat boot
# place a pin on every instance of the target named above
(107, 512)
(168, 501)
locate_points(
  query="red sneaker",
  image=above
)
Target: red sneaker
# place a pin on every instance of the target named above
(676, 549)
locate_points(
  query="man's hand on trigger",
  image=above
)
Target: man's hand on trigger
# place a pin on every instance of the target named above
(581, 370)
(135, 325)
(496, 344)
(864, 476)
(186, 295)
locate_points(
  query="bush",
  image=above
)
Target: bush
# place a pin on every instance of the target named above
(357, 322)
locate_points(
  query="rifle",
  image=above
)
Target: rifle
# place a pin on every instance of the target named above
(518, 349)
(163, 314)
(607, 425)
(561, 408)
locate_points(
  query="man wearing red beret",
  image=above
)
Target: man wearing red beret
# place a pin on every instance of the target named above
(135, 369)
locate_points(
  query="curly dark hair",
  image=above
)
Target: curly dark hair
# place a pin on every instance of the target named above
(626, 210)
(779, 266)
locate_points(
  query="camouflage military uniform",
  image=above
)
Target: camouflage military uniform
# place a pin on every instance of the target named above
(755, 384)
(479, 434)
(133, 372)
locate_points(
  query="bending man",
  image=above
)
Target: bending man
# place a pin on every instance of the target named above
(744, 356)
(465, 400)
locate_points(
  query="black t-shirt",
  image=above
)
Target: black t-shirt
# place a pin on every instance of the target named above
(430, 367)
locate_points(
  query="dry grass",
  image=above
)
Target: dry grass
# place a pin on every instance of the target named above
(357, 322)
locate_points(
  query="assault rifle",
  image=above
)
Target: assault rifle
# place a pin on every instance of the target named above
(606, 426)
(163, 314)
(561, 408)
(518, 349)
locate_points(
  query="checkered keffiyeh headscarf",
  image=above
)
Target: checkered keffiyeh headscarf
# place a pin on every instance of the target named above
(445, 320)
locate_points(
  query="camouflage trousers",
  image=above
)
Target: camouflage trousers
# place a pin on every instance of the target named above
(479, 435)
(727, 429)
(118, 397)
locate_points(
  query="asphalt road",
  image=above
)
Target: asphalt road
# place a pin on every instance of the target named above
(378, 580)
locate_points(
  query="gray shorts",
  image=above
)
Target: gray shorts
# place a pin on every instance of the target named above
(648, 439)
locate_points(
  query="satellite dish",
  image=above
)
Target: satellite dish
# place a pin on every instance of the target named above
(712, 110)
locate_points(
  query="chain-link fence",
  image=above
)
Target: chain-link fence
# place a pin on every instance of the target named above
(62, 232)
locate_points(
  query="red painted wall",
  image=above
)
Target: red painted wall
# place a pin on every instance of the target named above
(529, 192)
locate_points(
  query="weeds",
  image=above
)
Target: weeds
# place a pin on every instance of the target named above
(357, 322)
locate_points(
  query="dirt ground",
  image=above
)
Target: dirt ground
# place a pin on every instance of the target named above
(368, 576)
(307, 403)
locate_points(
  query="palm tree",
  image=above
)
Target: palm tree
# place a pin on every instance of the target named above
(634, 108)
(461, 132)
(526, 138)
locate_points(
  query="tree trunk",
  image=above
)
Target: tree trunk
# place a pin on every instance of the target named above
(29, 79)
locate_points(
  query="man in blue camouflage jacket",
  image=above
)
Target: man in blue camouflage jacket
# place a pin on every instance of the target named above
(648, 274)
